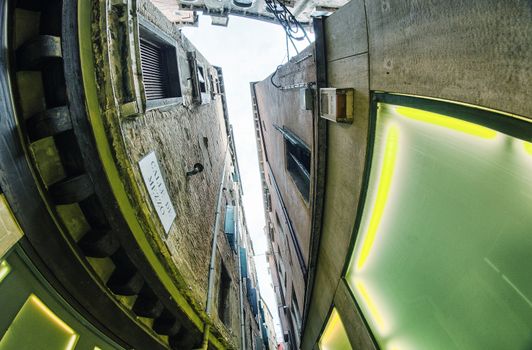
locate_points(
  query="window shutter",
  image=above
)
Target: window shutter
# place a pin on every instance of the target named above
(264, 335)
(153, 76)
(230, 225)
(253, 302)
(243, 263)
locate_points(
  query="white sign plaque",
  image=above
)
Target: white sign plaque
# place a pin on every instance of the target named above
(151, 173)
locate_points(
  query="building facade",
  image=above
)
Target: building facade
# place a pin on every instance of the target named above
(395, 155)
(403, 157)
(183, 11)
(269, 335)
(285, 136)
(121, 205)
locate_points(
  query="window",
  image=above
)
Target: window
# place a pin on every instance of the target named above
(199, 76)
(277, 221)
(216, 80)
(223, 296)
(282, 272)
(295, 310)
(201, 79)
(252, 296)
(297, 156)
(243, 263)
(230, 226)
(160, 74)
(268, 200)
(215, 88)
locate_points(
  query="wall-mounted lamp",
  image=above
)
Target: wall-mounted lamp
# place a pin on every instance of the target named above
(198, 168)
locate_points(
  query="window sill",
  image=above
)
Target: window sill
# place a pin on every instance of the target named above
(163, 103)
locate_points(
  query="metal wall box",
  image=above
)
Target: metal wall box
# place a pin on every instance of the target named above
(219, 20)
(337, 104)
(305, 98)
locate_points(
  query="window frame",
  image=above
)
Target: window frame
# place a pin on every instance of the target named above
(303, 183)
(230, 228)
(224, 299)
(155, 36)
(198, 69)
(202, 76)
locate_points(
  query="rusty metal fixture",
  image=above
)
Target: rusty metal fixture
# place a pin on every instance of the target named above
(198, 168)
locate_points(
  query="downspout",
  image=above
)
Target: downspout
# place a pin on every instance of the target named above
(319, 164)
(206, 329)
(242, 320)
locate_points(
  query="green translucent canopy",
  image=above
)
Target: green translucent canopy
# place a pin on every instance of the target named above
(443, 257)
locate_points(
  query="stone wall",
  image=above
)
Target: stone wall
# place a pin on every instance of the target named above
(181, 135)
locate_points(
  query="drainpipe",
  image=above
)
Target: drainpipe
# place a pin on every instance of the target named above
(206, 327)
(242, 320)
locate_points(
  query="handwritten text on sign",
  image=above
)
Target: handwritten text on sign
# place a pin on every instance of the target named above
(151, 173)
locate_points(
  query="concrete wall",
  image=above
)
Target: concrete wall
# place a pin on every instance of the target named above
(276, 108)
(476, 52)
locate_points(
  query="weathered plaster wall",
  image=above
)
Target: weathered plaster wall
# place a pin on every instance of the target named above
(182, 135)
(277, 107)
(281, 107)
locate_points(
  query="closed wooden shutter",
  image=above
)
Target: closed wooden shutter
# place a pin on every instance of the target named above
(153, 71)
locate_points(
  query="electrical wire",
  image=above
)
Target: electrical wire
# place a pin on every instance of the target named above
(273, 75)
(293, 29)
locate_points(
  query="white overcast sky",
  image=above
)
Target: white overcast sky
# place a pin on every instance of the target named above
(247, 50)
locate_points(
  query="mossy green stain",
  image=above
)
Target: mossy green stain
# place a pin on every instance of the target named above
(112, 172)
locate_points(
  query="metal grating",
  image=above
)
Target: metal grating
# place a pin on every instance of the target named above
(153, 71)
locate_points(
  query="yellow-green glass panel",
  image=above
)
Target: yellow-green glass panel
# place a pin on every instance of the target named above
(36, 327)
(334, 336)
(5, 268)
(443, 256)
